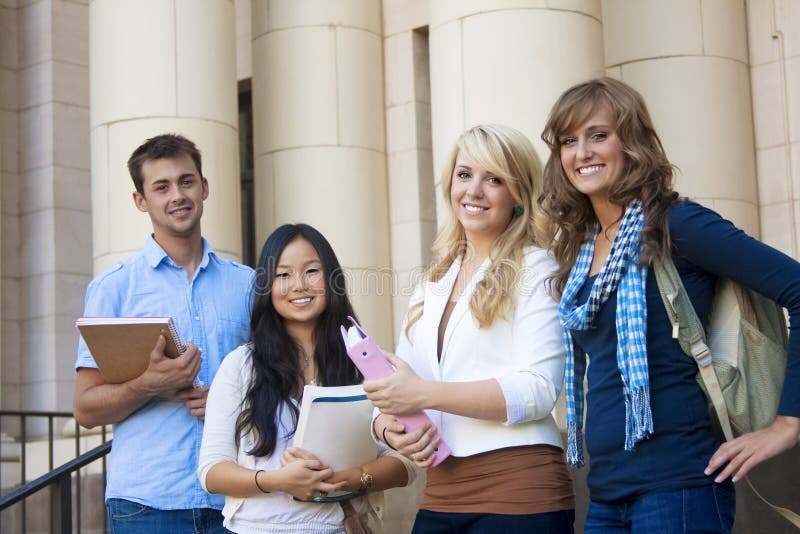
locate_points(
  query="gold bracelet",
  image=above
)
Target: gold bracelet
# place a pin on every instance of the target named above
(367, 481)
(255, 478)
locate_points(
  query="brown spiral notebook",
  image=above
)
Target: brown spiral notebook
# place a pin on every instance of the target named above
(121, 346)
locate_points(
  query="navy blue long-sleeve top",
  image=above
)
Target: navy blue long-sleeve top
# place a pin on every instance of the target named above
(704, 247)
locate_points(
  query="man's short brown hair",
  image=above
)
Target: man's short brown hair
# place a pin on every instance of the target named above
(161, 146)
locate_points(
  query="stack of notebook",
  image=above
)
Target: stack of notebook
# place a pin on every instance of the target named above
(121, 346)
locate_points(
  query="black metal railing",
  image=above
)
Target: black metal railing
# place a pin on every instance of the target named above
(59, 480)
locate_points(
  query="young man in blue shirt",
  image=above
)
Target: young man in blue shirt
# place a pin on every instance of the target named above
(158, 416)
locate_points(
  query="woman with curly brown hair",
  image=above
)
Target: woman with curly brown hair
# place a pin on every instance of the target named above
(655, 464)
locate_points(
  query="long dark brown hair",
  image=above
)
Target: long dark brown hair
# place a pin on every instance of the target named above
(647, 174)
(276, 374)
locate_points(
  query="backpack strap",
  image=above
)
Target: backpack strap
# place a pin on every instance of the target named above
(787, 514)
(689, 331)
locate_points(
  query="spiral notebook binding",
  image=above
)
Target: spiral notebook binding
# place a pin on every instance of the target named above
(173, 331)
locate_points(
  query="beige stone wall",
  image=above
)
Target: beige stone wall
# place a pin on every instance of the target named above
(1, 278)
(478, 76)
(774, 45)
(244, 39)
(46, 219)
(473, 77)
(9, 227)
(689, 59)
(411, 177)
(356, 104)
(162, 66)
(690, 56)
(412, 189)
(319, 137)
(506, 61)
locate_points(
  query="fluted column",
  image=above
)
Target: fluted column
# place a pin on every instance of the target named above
(8, 107)
(773, 29)
(412, 197)
(46, 177)
(506, 61)
(318, 125)
(2, 299)
(161, 66)
(689, 60)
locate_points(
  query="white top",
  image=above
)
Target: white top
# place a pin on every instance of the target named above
(274, 512)
(524, 353)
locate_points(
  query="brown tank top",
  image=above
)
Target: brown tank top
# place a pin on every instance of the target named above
(448, 311)
(531, 479)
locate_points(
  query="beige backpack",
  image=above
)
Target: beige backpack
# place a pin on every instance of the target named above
(741, 360)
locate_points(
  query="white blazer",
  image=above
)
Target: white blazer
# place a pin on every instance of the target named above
(524, 353)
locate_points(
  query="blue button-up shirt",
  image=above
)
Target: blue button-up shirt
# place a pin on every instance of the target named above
(154, 456)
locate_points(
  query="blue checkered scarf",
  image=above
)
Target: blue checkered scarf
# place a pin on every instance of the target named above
(620, 273)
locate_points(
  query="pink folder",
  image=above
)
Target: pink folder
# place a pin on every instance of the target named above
(373, 364)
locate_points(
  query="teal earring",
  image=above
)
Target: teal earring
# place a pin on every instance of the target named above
(518, 211)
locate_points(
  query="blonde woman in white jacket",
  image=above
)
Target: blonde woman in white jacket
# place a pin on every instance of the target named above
(481, 351)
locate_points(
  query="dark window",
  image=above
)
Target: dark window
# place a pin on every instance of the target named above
(246, 164)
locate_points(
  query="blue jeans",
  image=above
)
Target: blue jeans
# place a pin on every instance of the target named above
(707, 509)
(428, 522)
(128, 517)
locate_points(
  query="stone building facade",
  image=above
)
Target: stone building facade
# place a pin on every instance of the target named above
(340, 113)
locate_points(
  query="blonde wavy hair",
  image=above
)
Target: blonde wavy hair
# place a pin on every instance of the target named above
(510, 156)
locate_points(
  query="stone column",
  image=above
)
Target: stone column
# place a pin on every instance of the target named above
(506, 62)
(51, 199)
(319, 137)
(244, 40)
(412, 196)
(162, 66)
(689, 61)
(412, 204)
(774, 39)
(9, 220)
(2, 300)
